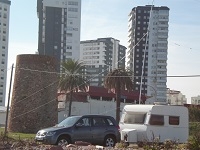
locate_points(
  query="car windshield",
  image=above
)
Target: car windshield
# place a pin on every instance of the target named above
(69, 121)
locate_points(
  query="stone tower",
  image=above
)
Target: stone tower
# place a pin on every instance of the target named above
(34, 98)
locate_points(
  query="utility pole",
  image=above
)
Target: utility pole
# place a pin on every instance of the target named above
(8, 105)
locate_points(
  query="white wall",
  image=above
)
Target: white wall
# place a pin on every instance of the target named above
(2, 118)
(91, 107)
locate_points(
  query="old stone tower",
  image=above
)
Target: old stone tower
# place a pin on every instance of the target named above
(34, 97)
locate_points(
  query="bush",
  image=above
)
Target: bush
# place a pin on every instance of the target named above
(194, 141)
(194, 114)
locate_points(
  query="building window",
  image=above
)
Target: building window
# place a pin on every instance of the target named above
(156, 120)
(69, 47)
(72, 3)
(73, 9)
(55, 47)
(5, 16)
(68, 53)
(173, 120)
(69, 34)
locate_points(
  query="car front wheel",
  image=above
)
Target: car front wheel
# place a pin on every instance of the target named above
(63, 140)
(109, 141)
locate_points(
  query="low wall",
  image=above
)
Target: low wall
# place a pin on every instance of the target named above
(2, 118)
(91, 107)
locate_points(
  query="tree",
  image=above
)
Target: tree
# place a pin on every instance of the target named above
(72, 79)
(118, 80)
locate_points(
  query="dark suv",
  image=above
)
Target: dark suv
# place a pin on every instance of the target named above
(95, 129)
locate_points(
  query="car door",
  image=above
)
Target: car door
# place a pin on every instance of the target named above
(82, 130)
(99, 128)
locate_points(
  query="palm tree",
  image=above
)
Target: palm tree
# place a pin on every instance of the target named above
(72, 79)
(118, 80)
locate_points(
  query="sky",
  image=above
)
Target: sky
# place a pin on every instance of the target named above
(109, 18)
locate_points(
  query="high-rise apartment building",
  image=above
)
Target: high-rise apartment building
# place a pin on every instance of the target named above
(59, 28)
(4, 33)
(100, 56)
(147, 50)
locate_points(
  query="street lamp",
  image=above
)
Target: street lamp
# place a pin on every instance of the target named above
(141, 90)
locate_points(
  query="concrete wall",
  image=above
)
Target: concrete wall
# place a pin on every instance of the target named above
(2, 118)
(91, 107)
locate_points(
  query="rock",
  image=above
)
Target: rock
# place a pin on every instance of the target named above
(81, 143)
(56, 148)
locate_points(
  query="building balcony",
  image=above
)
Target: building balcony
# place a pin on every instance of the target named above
(161, 64)
(163, 41)
(163, 31)
(163, 36)
(163, 25)
(161, 80)
(161, 57)
(162, 46)
(161, 86)
(162, 53)
(163, 19)
(162, 69)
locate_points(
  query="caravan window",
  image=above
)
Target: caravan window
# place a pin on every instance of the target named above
(134, 118)
(174, 120)
(156, 120)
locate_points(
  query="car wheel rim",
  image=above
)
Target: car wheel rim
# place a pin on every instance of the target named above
(63, 142)
(109, 142)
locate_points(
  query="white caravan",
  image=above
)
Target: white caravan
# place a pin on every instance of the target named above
(141, 123)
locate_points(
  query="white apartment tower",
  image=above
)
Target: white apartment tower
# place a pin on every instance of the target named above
(101, 56)
(147, 50)
(4, 33)
(59, 28)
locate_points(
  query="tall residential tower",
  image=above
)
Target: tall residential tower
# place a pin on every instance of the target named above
(4, 33)
(147, 50)
(59, 28)
(101, 56)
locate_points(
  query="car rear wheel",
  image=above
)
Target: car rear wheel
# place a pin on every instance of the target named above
(63, 140)
(109, 141)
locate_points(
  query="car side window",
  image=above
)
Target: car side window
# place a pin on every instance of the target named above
(109, 122)
(99, 121)
(84, 122)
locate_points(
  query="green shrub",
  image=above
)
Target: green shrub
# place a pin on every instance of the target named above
(194, 141)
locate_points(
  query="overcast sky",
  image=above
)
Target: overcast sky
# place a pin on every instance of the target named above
(109, 18)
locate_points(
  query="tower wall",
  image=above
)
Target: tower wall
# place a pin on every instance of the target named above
(34, 97)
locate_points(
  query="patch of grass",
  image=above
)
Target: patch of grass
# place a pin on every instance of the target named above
(18, 136)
